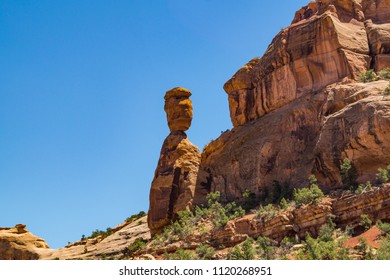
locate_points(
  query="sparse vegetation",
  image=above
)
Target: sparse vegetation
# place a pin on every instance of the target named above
(205, 252)
(308, 195)
(385, 227)
(386, 91)
(384, 74)
(383, 175)
(365, 221)
(135, 216)
(383, 253)
(348, 174)
(328, 245)
(368, 76)
(101, 233)
(138, 244)
(181, 254)
(250, 200)
(363, 188)
(275, 193)
(244, 251)
(267, 212)
(218, 213)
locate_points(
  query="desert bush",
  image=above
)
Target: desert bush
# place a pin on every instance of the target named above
(138, 244)
(136, 216)
(266, 250)
(368, 76)
(385, 227)
(266, 212)
(308, 195)
(383, 252)
(205, 252)
(365, 221)
(386, 91)
(364, 249)
(181, 254)
(275, 193)
(218, 213)
(283, 203)
(348, 173)
(361, 188)
(384, 74)
(383, 175)
(244, 251)
(250, 200)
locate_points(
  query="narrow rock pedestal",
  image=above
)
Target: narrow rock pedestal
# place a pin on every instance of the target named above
(175, 177)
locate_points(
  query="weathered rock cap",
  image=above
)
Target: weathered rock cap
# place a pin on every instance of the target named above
(177, 92)
(178, 108)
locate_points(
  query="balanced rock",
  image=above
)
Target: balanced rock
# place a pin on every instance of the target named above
(178, 108)
(175, 177)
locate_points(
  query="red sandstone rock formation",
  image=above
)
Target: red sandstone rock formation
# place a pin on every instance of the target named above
(17, 243)
(300, 110)
(174, 181)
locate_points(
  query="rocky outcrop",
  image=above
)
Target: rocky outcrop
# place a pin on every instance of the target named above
(110, 247)
(379, 42)
(297, 222)
(175, 177)
(298, 110)
(344, 211)
(18, 243)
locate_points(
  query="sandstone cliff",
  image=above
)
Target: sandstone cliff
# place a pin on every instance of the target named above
(299, 110)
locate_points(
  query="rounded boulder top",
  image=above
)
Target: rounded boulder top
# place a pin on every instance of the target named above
(177, 92)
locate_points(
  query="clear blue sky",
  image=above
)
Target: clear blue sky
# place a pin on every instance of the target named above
(81, 99)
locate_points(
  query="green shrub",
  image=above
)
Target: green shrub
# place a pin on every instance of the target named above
(101, 233)
(367, 76)
(383, 252)
(365, 221)
(364, 249)
(138, 244)
(348, 174)
(384, 74)
(136, 216)
(308, 195)
(205, 252)
(219, 214)
(383, 175)
(244, 251)
(361, 188)
(265, 250)
(181, 254)
(275, 193)
(283, 203)
(250, 200)
(386, 91)
(326, 233)
(385, 227)
(266, 212)
(324, 248)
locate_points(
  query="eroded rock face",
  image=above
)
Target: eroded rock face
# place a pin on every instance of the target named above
(299, 110)
(175, 177)
(326, 43)
(18, 243)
